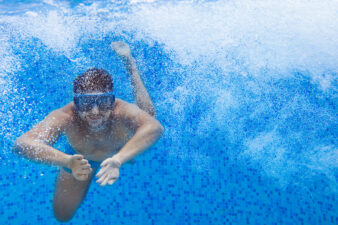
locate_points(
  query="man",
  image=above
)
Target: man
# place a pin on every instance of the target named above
(102, 132)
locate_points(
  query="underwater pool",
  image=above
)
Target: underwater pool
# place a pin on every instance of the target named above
(246, 91)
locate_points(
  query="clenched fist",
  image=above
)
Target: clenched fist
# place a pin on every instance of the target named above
(80, 167)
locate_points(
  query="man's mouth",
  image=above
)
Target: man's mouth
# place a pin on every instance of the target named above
(95, 117)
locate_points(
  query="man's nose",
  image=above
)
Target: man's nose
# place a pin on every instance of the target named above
(95, 109)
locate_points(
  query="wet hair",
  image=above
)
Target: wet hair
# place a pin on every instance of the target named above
(93, 80)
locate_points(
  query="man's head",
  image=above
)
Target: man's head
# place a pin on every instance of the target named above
(93, 80)
(93, 97)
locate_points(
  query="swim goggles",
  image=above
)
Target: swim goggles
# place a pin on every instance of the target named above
(86, 102)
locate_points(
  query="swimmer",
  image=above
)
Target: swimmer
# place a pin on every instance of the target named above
(103, 133)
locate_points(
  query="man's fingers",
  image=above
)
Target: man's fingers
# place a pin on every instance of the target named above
(86, 171)
(116, 44)
(102, 178)
(82, 177)
(102, 171)
(112, 180)
(104, 163)
(100, 181)
(84, 162)
(105, 181)
(83, 172)
(86, 167)
(78, 157)
(99, 174)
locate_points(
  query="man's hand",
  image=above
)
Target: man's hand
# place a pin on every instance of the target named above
(121, 48)
(80, 167)
(109, 171)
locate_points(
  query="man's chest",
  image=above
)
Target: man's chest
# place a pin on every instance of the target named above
(98, 147)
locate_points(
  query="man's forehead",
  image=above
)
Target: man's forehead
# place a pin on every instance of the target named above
(92, 93)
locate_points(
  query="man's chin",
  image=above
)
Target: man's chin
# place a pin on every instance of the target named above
(95, 124)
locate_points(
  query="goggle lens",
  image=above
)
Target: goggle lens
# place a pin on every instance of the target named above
(86, 102)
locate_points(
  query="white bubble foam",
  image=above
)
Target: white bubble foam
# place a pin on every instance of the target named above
(280, 36)
(141, 1)
(248, 37)
(268, 150)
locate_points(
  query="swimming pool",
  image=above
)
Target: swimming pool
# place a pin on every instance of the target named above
(246, 91)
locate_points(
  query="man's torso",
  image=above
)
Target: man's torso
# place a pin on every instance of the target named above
(100, 146)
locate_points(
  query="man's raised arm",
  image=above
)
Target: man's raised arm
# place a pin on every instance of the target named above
(141, 95)
(36, 143)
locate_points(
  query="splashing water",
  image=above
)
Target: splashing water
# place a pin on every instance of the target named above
(269, 65)
(250, 81)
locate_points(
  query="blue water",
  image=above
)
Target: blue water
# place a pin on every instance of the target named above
(246, 91)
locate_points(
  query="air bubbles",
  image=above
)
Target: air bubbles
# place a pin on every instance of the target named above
(32, 14)
(141, 1)
(238, 67)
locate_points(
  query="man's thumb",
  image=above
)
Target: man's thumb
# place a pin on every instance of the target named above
(78, 157)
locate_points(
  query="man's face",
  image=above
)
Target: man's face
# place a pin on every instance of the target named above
(94, 108)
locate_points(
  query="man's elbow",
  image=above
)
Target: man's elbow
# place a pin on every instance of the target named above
(20, 145)
(17, 146)
(158, 129)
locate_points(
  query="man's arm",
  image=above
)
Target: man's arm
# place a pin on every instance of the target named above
(141, 95)
(36, 143)
(148, 131)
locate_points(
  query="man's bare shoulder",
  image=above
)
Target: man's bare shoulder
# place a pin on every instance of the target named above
(64, 114)
(120, 103)
(56, 121)
(131, 115)
(130, 112)
(122, 107)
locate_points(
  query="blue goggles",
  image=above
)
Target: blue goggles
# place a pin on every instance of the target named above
(86, 102)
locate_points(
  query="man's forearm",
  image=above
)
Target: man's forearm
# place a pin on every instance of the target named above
(131, 65)
(40, 152)
(143, 139)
